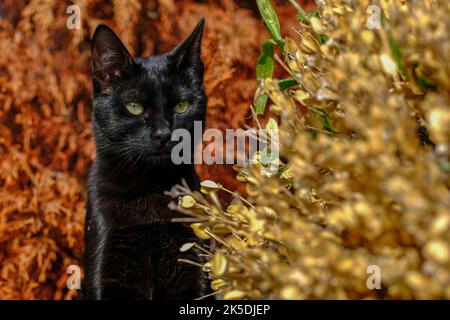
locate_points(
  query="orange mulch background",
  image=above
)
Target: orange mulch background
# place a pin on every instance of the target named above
(46, 144)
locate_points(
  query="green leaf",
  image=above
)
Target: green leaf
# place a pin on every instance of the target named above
(302, 16)
(281, 168)
(271, 22)
(287, 83)
(313, 133)
(422, 81)
(314, 14)
(264, 69)
(302, 19)
(265, 65)
(397, 54)
(260, 103)
(326, 121)
(322, 38)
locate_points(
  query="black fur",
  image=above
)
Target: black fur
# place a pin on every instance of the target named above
(131, 246)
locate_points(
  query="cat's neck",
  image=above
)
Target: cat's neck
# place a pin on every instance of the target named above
(156, 178)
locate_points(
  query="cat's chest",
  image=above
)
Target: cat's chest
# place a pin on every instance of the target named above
(135, 210)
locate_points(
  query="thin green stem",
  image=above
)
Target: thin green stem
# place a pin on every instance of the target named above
(298, 7)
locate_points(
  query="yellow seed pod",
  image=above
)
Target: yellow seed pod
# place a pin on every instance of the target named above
(439, 120)
(271, 85)
(221, 228)
(441, 224)
(252, 240)
(257, 224)
(368, 37)
(311, 82)
(270, 236)
(309, 44)
(268, 212)
(291, 47)
(207, 267)
(301, 96)
(234, 295)
(275, 109)
(340, 10)
(316, 25)
(237, 244)
(437, 250)
(219, 264)
(208, 185)
(242, 177)
(187, 202)
(238, 167)
(329, 50)
(217, 284)
(416, 280)
(293, 54)
(187, 246)
(290, 292)
(326, 94)
(246, 177)
(198, 229)
(235, 208)
(389, 65)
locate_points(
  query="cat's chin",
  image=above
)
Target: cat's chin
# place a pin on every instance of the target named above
(156, 159)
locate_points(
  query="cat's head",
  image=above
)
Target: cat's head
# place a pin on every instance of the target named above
(139, 102)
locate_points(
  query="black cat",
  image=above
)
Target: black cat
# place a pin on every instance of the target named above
(131, 246)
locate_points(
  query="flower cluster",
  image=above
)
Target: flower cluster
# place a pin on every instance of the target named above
(365, 143)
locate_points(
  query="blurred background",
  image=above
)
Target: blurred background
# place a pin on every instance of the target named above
(46, 144)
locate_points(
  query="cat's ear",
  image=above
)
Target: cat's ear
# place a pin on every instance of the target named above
(187, 54)
(111, 61)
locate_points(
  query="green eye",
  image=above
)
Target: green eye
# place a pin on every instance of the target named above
(181, 107)
(135, 108)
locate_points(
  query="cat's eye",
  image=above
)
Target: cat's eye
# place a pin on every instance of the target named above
(181, 107)
(135, 108)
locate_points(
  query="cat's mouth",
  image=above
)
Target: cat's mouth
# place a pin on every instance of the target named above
(155, 156)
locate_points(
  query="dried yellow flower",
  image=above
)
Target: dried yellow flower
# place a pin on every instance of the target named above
(361, 200)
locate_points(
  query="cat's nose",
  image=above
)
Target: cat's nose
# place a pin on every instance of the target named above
(162, 135)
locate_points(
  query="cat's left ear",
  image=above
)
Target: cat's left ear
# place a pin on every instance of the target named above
(188, 53)
(111, 61)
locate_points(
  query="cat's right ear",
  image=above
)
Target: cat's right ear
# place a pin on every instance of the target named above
(110, 59)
